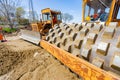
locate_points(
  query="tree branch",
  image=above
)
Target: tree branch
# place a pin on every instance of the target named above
(7, 7)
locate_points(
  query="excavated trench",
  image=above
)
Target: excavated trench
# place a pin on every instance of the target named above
(21, 60)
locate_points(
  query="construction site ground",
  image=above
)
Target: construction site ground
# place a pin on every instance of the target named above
(21, 60)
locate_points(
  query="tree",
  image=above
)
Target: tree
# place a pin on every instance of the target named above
(2, 19)
(7, 9)
(24, 21)
(67, 17)
(19, 13)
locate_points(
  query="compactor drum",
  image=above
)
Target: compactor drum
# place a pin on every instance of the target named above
(96, 40)
(95, 43)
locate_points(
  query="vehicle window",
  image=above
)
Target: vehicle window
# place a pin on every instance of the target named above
(107, 10)
(92, 12)
(103, 15)
(58, 17)
(46, 16)
(118, 16)
(99, 10)
(86, 11)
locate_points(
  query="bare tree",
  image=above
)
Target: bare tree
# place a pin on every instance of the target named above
(67, 17)
(7, 9)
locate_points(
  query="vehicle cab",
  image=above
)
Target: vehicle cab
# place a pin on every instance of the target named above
(101, 11)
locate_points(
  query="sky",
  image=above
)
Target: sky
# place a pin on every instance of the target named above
(73, 7)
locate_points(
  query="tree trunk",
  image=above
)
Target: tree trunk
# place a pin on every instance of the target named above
(10, 22)
(11, 26)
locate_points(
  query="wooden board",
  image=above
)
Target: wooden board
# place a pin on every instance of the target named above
(77, 65)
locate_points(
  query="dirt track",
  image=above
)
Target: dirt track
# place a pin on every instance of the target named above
(20, 60)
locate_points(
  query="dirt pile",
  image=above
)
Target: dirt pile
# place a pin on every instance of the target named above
(20, 60)
(14, 52)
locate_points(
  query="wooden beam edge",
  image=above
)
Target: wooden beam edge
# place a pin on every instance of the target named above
(78, 65)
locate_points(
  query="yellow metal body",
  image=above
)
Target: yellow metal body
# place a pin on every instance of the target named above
(36, 26)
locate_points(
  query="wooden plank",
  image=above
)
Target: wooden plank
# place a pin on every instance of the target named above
(77, 65)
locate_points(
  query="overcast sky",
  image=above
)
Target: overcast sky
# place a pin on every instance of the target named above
(73, 7)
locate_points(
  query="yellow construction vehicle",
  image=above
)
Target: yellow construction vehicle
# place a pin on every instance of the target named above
(40, 29)
(90, 49)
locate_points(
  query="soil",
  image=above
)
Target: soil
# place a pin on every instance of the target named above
(21, 60)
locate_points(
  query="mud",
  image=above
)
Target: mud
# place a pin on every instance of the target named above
(20, 60)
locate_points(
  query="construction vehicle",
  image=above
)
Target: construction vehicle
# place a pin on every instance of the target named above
(40, 29)
(92, 48)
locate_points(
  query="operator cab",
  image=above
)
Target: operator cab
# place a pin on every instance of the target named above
(97, 10)
(51, 17)
(101, 11)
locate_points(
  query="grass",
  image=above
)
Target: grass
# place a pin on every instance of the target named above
(9, 30)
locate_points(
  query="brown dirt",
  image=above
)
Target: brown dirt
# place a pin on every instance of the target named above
(20, 60)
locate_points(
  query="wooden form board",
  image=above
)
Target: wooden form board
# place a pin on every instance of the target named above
(81, 67)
